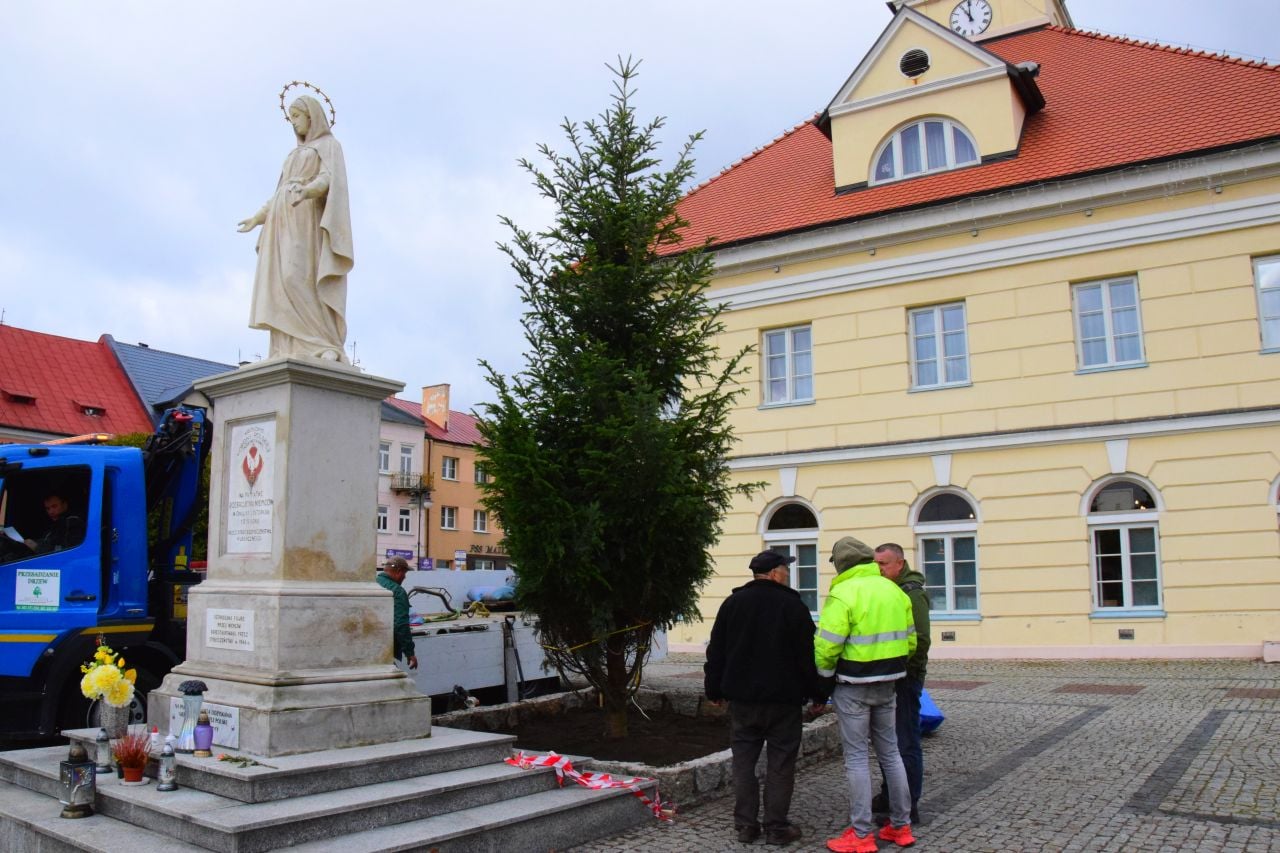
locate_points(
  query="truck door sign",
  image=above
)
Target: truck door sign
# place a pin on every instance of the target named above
(37, 589)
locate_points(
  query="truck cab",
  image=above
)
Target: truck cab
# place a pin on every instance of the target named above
(69, 578)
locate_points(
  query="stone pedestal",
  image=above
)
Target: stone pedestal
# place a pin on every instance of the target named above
(290, 628)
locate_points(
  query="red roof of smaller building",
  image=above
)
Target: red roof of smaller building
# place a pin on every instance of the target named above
(462, 426)
(1110, 102)
(47, 382)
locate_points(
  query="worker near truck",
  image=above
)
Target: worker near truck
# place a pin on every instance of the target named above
(392, 578)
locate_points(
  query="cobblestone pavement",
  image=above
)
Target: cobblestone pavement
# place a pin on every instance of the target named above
(1062, 755)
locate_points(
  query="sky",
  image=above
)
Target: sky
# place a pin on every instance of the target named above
(135, 135)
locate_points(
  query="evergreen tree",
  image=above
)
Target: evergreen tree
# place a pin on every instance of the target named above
(608, 451)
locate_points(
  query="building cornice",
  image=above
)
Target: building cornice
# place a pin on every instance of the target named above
(1073, 434)
(1208, 173)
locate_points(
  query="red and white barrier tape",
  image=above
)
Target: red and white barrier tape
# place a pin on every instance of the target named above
(595, 781)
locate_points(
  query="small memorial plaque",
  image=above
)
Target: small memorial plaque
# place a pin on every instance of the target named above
(224, 719)
(229, 629)
(250, 519)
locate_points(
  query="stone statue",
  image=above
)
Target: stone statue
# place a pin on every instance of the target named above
(304, 249)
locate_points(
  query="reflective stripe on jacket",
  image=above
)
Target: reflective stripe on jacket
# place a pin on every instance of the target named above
(866, 631)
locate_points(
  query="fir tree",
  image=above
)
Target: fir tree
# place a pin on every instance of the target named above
(608, 451)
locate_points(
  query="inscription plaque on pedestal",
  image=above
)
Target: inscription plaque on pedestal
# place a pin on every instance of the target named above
(250, 499)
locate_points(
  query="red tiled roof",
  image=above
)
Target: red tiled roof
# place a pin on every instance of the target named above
(64, 376)
(1110, 102)
(462, 426)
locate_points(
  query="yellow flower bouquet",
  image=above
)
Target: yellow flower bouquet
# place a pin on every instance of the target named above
(106, 678)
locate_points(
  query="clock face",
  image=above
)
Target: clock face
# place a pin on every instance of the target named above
(971, 17)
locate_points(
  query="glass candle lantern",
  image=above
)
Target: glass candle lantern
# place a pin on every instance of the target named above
(167, 773)
(190, 713)
(103, 753)
(203, 735)
(77, 785)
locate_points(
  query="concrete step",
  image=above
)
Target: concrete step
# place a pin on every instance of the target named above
(551, 820)
(327, 770)
(230, 826)
(29, 823)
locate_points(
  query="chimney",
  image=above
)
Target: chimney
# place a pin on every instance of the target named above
(435, 405)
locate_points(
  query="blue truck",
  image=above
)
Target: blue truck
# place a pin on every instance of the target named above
(95, 543)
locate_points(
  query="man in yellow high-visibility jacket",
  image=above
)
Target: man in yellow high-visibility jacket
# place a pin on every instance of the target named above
(865, 635)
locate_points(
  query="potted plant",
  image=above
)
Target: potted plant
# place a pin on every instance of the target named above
(131, 754)
(106, 681)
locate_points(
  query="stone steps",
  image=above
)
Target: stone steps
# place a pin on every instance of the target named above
(485, 804)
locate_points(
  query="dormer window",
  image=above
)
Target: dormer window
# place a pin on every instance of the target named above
(932, 145)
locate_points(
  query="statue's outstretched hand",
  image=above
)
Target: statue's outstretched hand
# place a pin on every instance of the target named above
(249, 224)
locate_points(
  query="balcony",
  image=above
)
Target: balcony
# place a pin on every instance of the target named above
(417, 484)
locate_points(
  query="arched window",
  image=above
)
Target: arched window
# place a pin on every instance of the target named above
(1124, 545)
(931, 145)
(946, 524)
(791, 528)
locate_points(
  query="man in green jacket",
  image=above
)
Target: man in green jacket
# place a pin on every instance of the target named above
(392, 577)
(866, 633)
(893, 565)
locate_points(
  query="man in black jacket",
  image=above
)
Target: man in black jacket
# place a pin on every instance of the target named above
(760, 658)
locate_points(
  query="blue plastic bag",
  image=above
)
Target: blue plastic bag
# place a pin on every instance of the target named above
(930, 715)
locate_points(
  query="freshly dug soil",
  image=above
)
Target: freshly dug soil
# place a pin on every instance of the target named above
(664, 738)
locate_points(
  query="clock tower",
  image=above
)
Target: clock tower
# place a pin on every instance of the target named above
(978, 20)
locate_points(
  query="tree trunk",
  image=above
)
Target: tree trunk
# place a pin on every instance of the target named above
(615, 692)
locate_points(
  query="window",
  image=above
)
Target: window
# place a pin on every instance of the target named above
(788, 366)
(793, 530)
(449, 518)
(449, 467)
(384, 457)
(482, 476)
(406, 459)
(405, 521)
(946, 543)
(1266, 272)
(1108, 327)
(482, 564)
(481, 521)
(1124, 547)
(382, 519)
(939, 346)
(934, 145)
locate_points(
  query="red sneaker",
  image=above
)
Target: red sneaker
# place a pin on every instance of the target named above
(899, 835)
(852, 842)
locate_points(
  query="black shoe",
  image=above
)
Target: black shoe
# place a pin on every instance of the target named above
(748, 834)
(783, 834)
(880, 804)
(915, 816)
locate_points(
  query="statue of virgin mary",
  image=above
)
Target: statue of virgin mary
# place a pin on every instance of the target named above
(304, 249)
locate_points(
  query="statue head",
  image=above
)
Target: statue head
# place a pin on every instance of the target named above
(308, 118)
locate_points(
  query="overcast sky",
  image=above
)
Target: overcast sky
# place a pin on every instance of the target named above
(136, 135)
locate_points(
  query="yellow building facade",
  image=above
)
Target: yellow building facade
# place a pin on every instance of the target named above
(1054, 381)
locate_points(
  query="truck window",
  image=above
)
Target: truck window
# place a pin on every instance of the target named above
(43, 510)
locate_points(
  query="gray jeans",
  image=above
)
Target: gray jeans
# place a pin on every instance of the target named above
(867, 710)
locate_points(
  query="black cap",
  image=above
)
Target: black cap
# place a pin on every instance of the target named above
(767, 561)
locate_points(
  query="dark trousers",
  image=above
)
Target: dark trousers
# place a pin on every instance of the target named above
(908, 726)
(753, 724)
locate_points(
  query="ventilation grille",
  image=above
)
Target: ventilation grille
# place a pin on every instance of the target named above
(914, 62)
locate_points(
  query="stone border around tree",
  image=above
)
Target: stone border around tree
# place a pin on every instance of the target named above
(685, 784)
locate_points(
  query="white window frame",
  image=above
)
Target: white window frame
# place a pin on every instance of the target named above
(1265, 285)
(448, 518)
(480, 520)
(406, 459)
(787, 356)
(940, 358)
(1126, 605)
(948, 533)
(1108, 313)
(483, 564)
(383, 523)
(481, 477)
(384, 457)
(449, 468)
(949, 128)
(404, 523)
